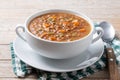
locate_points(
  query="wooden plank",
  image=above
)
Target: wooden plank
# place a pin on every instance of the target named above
(100, 74)
(5, 52)
(16, 16)
(7, 71)
(113, 68)
(7, 36)
(27, 4)
(22, 13)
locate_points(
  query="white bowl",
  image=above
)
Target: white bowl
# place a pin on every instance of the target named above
(58, 50)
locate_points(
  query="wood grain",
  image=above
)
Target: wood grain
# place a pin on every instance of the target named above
(13, 12)
(113, 69)
(5, 52)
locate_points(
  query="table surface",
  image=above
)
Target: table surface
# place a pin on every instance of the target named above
(13, 12)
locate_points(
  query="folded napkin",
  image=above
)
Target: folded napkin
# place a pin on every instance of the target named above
(21, 69)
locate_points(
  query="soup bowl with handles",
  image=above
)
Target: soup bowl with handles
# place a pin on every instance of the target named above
(54, 49)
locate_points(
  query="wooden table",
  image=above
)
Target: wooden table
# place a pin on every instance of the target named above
(14, 12)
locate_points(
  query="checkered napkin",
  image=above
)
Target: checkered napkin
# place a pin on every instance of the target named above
(21, 69)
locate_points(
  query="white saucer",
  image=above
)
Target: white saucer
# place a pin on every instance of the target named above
(29, 56)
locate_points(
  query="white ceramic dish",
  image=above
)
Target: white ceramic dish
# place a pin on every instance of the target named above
(54, 49)
(32, 58)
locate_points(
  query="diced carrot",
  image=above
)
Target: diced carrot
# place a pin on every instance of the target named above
(65, 23)
(54, 17)
(53, 38)
(82, 30)
(74, 27)
(43, 34)
(62, 31)
(46, 25)
(76, 23)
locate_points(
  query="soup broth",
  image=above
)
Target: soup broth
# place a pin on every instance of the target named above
(61, 27)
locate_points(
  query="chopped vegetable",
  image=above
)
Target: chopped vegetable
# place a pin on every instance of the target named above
(46, 25)
(54, 17)
(73, 27)
(75, 22)
(74, 34)
(50, 32)
(43, 34)
(52, 38)
(67, 35)
(49, 19)
(61, 34)
(82, 30)
(65, 23)
(62, 31)
(70, 19)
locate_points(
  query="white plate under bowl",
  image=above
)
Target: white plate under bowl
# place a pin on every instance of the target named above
(32, 58)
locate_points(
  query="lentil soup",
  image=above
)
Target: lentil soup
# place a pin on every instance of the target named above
(61, 27)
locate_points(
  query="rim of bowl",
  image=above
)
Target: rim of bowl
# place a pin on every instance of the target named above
(34, 15)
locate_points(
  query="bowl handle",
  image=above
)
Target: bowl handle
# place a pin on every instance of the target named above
(100, 32)
(18, 33)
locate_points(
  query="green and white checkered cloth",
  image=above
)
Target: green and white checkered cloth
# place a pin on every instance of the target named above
(21, 69)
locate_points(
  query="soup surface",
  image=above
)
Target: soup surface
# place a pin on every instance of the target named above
(61, 27)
